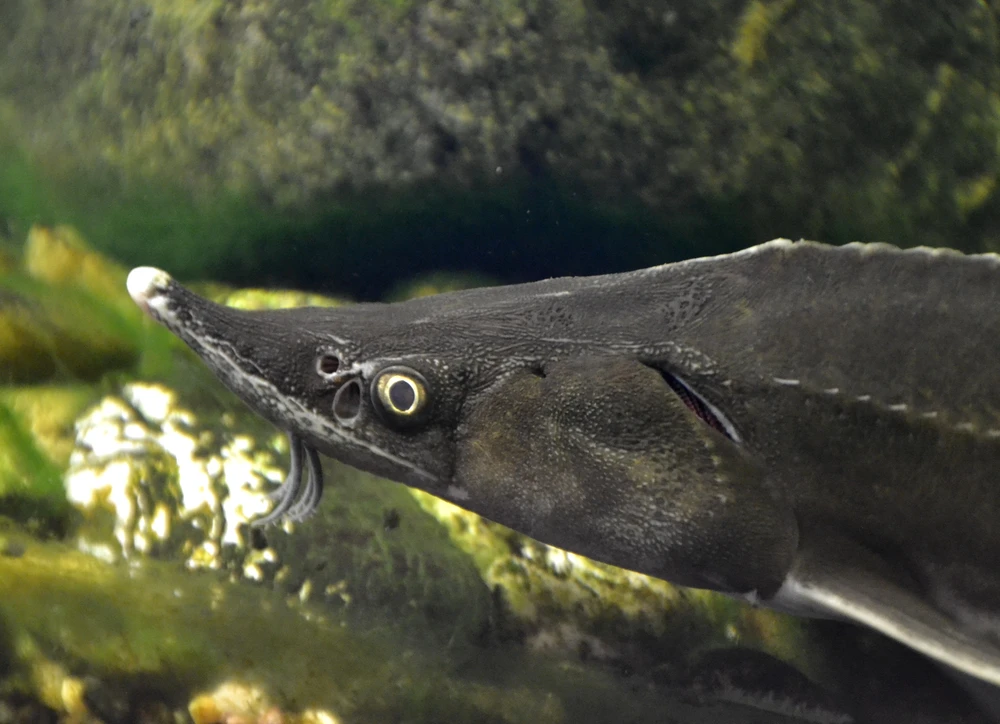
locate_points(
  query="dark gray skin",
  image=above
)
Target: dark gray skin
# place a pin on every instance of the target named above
(812, 428)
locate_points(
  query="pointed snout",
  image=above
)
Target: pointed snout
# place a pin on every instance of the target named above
(180, 310)
(252, 341)
(146, 285)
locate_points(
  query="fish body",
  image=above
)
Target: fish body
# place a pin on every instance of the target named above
(807, 427)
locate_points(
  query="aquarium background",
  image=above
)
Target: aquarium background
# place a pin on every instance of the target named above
(285, 152)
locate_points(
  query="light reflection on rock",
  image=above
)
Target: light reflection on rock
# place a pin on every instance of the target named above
(168, 485)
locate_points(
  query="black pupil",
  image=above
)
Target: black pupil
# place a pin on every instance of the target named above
(402, 395)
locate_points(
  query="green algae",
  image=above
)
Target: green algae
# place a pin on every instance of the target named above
(203, 130)
(167, 186)
(353, 14)
(437, 283)
(48, 414)
(146, 221)
(60, 257)
(154, 624)
(48, 332)
(971, 195)
(68, 314)
(189, 15)
(256, 299)
(65, 314)
(65, 321)
(756, 24)
(71, 619)
(30, 482)
(223, 233)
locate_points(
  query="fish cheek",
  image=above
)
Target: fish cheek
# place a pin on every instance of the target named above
(599, 456)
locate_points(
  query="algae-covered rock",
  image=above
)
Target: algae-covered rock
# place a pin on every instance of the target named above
(30, 483)
(9, 261)
(60, 257)
(48, 414)
(77, 625)
(36, 438)
(65, 313)
(66, 322)
(62, 322)
(270, 298)
(48, 333)
(93, 641)
(178, 131)
(151, 478)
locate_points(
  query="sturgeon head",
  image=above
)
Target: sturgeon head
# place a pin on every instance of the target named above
(307, 371)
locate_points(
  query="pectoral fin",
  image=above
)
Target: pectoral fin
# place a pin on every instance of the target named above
(604, 457)
(846, 581)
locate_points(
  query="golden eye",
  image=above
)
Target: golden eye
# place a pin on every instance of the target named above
(401, 393)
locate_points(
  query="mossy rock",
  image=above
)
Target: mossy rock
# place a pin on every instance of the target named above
(203, 132)
(87, 639)
(254, 299)
(61, 258)
(31, 487)
(47, 414)
(51, 333)
(65, 313)
(73, 621)
(61, 320)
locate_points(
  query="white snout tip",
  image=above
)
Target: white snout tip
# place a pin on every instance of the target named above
(145, 282)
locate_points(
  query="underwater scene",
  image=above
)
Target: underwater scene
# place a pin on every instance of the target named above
(502, 361)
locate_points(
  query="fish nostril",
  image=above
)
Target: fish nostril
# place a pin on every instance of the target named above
(328, 364)
(347, 402)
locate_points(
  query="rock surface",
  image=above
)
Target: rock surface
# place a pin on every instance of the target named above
(196, 122)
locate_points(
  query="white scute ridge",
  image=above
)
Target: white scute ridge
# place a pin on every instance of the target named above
(144, 281)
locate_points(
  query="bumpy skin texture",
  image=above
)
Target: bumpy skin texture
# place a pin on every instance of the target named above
(860, 441)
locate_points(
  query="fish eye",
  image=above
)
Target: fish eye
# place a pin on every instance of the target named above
(401, 392)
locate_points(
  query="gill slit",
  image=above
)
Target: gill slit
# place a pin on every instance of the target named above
(702, 408)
